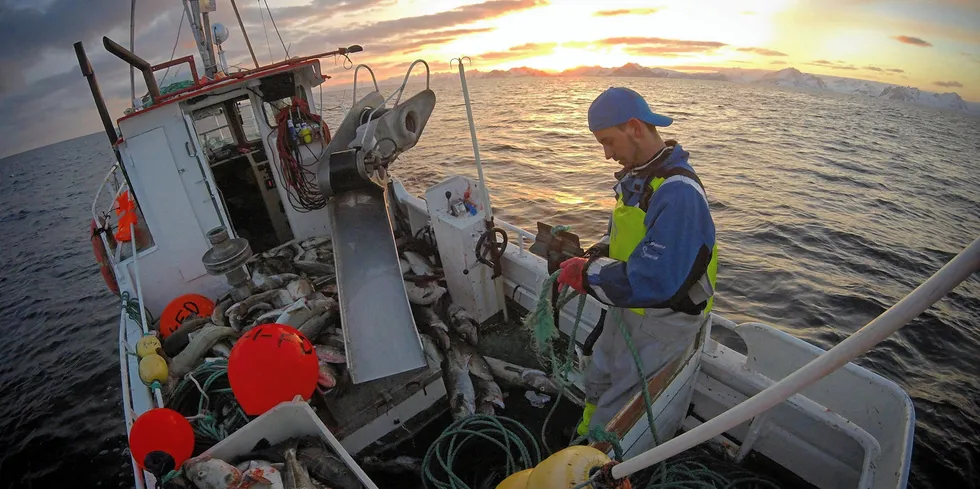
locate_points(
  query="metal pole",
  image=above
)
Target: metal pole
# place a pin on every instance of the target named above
(191, 7)
(241, 24)
(132, 48)
(483, 184)
(933, 289)
(476, 145)
(110, 129)
(211, 68)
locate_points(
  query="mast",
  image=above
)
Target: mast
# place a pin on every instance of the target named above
(244, 34)
(132, 49)
(206, 7)
(193, 13)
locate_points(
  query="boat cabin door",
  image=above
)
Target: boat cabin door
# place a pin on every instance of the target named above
(230, 143)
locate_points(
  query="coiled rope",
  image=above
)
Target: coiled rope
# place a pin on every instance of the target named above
(204, 396)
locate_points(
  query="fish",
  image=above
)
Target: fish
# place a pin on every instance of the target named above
(419, 264)
(327, 378)
(264, 469)
(325, 467)
(433, 355)
(210, 473)
(218, 315)
(484, 407)
(424, 295)
(202, 342)
(329, 354)
(478, 364)
(262, 282)
(179, 338)
(430, 322)
(459, 387)
(402, 464)
(463, 324)
(299, 288)
(518, 376)
(404, 265)
(317, 325)
(237, 312)
(487, 391)
(321, 463)
(297, 477)
(314, 268)
(316, 242)
(295, 314)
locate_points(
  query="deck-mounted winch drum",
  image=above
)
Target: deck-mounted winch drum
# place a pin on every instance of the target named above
(227, 257)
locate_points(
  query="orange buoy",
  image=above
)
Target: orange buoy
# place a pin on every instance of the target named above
(272, 363)
(102, 258)
(182, 308)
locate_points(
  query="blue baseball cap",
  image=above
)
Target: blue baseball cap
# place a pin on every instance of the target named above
(617, 105)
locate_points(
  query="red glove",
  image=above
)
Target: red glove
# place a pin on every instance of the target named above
(572, 273)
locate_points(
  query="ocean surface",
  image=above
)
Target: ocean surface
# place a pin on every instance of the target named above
(829, 208)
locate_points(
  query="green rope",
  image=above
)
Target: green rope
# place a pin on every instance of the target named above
(132, 308)
(506, 434)
(217, 414)
(541, 322)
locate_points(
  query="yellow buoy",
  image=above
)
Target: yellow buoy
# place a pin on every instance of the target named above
(516, 481)
(563, 470)
(147, 345)
(153, 368)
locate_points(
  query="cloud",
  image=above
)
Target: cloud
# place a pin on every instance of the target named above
(948, 84)
(660, 47)
(761, 51)
(626, 11)
(873, 68)
(915, 41)
(834, 65)
(895, 70)
(28, 33)
(523, 51)
(777, 62)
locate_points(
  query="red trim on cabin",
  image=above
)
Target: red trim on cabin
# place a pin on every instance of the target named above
(205, 85)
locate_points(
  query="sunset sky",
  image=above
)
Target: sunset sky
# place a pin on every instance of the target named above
(931, 45)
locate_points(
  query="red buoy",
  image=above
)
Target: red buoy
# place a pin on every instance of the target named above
(161, 430)
(269, 364)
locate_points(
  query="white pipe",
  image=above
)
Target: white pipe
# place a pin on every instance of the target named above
(483, 183)
(139, 284)
(476, 145)
(933, 289)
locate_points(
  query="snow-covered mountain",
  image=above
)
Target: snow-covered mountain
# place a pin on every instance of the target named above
(854, 86)
(515, 72)
(788, 77)
(947, 100)
(792, 77)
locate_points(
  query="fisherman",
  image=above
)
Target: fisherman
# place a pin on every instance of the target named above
(659, 259)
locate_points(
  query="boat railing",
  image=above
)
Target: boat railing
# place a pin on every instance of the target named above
(516, 234)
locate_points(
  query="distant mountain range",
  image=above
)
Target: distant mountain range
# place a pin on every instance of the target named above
(788, 77)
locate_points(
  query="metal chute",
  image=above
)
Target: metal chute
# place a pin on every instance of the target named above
(380, 335)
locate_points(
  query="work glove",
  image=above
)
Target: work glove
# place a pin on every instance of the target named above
(583, 426)
(572, 273)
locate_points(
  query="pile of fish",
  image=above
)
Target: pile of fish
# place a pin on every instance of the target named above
(296, 463)
(450, 337)
(293, 284)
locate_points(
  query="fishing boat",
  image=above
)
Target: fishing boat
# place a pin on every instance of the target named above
(199, 206)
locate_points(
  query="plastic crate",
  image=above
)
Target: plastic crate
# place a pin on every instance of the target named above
(287, 420)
